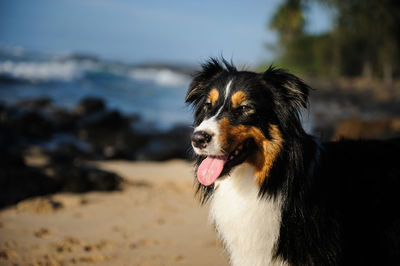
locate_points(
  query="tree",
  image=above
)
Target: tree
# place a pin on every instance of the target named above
(364, 40)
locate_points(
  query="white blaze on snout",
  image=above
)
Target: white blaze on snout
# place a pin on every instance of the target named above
(211, 127)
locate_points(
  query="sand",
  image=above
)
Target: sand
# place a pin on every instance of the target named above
(154, 220)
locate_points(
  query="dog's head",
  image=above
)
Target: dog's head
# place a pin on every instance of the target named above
(242, 117)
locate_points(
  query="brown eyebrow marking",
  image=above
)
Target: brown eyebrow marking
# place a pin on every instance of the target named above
(237, 98)
(213, 96)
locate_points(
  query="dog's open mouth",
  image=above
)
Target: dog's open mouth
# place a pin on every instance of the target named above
(213, 167)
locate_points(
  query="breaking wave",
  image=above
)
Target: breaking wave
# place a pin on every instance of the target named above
(162, 77)
(70, 70)
(42, 71)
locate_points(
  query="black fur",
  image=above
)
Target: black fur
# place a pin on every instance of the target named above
(341, 200)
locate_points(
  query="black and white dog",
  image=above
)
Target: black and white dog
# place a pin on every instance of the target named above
(277, 195)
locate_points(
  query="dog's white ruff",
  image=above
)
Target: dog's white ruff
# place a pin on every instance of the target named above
(248, 225)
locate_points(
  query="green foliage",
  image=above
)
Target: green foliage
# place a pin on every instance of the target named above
(364, 40)
(309, 54)
(288, 21)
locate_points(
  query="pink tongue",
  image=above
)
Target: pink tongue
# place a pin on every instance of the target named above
(210, 169)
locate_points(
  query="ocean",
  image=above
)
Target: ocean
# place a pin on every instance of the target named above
(155, 92)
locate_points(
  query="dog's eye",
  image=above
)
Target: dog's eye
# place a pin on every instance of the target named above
(245, 109)
(207, 105)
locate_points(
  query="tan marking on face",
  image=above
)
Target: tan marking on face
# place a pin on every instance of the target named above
(237, 98)
(267, 150)
(213, 96)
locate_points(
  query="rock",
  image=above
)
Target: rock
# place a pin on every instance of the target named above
(29, 124)
(89, 106)
(356, 128)
(104, 134)
(18, 181)
(79, 179)
(110, 134)
(62, 119)
(170, 145)
(67, 153)
(35, 104)
(107, 121)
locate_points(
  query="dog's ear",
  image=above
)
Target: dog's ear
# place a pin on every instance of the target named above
(209, 70)
(290, 89)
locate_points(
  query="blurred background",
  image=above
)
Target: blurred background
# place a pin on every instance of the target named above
(101, 80)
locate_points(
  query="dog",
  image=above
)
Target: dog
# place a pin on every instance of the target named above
(279, 196)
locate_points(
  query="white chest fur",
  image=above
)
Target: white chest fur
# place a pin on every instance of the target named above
(248, 225)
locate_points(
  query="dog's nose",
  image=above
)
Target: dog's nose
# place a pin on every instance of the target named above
(200, 139)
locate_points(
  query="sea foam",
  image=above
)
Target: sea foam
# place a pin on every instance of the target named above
(42, 71)
(162, 77)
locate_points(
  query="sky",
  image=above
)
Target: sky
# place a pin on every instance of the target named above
(133, 31)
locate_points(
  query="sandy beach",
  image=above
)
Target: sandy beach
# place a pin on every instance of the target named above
(154, 220)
